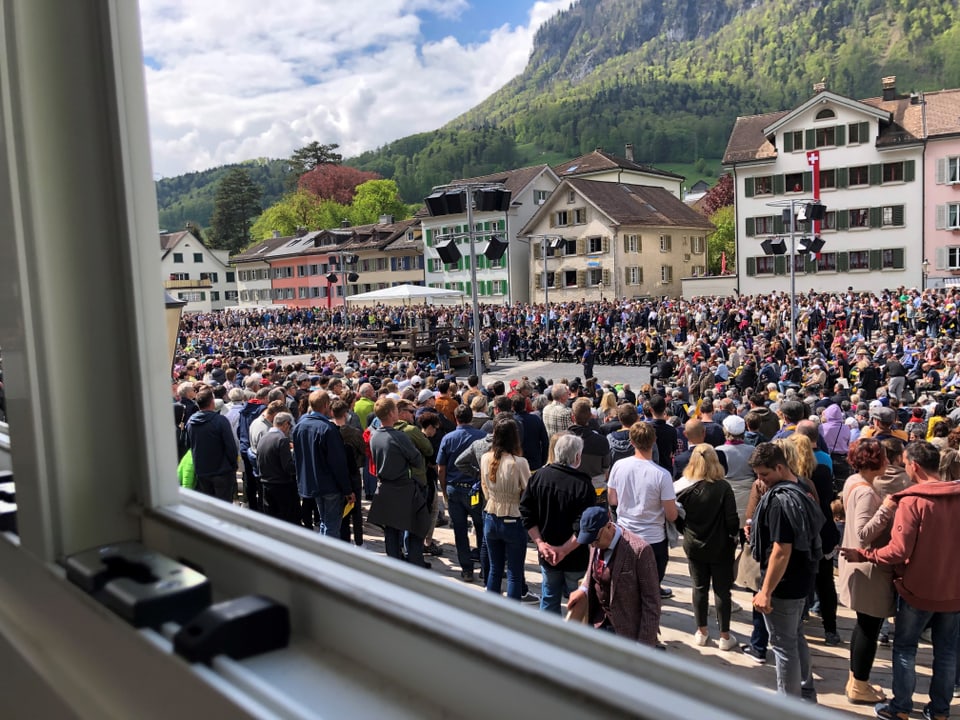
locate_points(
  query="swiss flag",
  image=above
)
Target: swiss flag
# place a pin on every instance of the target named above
(813, 160)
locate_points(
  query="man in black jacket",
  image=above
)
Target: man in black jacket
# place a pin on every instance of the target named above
(215, 451)
(278, 471)
(550, 507)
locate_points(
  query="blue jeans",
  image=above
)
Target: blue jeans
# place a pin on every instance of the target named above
(554, 582)
(459, 507)
(506, 543)
(790, 650)
(759, 637)
(330, 508)
(943, 630)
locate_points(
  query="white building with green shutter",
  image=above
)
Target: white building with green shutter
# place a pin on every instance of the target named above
(870, 167)
(498, 281)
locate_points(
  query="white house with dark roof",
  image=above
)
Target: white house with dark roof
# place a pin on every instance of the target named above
(498, 281)
(870, 155)
(614, 240)
(197, 274)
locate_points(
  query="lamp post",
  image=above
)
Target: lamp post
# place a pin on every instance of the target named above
(456, 199)
(553, 242)
(173, 309)
(925, 268)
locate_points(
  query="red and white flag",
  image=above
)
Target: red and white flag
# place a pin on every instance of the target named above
(813, 160)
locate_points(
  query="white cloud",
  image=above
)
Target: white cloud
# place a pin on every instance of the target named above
(230, 80)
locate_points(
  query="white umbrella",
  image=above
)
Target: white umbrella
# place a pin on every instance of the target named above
(408, 293)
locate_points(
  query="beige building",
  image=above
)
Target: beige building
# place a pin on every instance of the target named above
(597, 239)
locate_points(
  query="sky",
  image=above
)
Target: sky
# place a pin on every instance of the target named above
(233, 80)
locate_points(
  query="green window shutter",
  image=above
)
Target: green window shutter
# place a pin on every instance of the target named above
(811, 139)
(468, 288)
(864, 129)
(748, 187)
(876, 259)
(898, 214)
(778, 224)
(876, 217)
(751, 266)
(779, 183)
(910, 170)
(788, 142)
(843, 220)
(503, 259)
(898, 258)
(482, 262)
(751, 227)
(808, 182)
(486, 226)
(843, 177)
(843, 261)
(876, 176)
(429, 236)
(780, 265)
(840, 135)
(810, 263)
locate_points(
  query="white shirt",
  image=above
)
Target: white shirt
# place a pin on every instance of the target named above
(642, 486)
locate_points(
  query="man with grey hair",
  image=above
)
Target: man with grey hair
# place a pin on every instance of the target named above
(551, 505)
(183, 408)
(557, 417)
(278, 471)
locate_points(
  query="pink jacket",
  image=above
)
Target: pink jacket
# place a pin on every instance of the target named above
(922, 547)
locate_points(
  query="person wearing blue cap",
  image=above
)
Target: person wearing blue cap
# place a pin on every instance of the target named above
(621, 591)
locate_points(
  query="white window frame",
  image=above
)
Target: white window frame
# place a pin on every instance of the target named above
(666, 273)
(88, 94)
(953, 258)
(953, 216)
(666, 243)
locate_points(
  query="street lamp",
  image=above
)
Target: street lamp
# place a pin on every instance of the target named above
(925, 268)
(456, 199)
(552, 242)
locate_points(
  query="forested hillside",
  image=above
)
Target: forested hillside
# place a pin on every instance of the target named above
(668, 76)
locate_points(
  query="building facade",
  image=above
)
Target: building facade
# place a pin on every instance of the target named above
(595, 239)
(254, 274)
(941, 181)
(193, 272)
(869, 158)
(498, 281)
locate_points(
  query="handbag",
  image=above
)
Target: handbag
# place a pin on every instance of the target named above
(748, 569)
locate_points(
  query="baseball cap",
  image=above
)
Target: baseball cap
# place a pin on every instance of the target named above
(592, 521)
(416, 380)
(734, 425)
(884, 415)
(424, 396)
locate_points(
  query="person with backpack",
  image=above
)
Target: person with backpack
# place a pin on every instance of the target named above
(785, 536)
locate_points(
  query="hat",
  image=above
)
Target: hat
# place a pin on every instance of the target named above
(416, 380)
(424, 396)
(592, 521)
(303, 377)
(885, 415)
(513, 384)
(875, 404)
(734, 425)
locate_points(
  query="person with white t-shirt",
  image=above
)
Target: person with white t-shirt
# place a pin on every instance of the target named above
(642, 494)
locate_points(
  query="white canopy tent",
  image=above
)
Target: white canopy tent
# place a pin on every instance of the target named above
(408, 294)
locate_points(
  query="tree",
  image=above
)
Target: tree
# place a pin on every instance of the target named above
(235, 205)
(314, 155)
(335, 182)
(722, 240)
(295, 210)
(375, 198)
(719, 196)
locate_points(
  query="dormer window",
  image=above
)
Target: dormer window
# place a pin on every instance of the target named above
(825, 114)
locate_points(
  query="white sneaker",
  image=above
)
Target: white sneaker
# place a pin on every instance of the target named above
(728, 643)
(700, 638)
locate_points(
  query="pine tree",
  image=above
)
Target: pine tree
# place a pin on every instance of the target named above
(236, 205)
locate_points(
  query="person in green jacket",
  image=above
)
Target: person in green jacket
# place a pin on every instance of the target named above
(364, 405)
(185, 471)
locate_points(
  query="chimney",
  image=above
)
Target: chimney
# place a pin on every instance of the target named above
(276, 233)
(819, 87)
(628, 152)
(598, 149)
(386, 220)
(344, 223)
(889, 87)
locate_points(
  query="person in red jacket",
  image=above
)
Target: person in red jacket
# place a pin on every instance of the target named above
(924, 527)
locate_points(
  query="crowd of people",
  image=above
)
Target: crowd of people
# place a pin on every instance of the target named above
(770, 461)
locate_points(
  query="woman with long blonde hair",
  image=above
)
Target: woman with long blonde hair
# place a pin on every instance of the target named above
(711, 526)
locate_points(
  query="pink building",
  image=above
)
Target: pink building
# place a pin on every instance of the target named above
(941, 175)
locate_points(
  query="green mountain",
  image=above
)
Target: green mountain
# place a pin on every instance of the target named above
(189, 197)
(668, 76)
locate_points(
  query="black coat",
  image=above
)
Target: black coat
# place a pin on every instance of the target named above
(275, 458)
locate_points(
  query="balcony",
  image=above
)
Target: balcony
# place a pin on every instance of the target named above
(204, 284)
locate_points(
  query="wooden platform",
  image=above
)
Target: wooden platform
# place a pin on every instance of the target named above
(417, 342)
